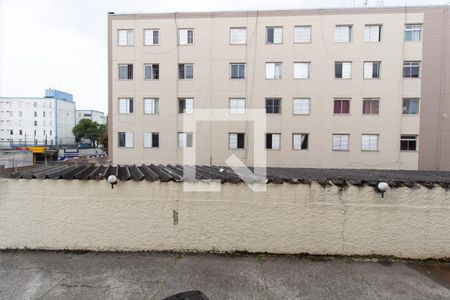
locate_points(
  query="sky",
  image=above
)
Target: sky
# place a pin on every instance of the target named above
(62, 44)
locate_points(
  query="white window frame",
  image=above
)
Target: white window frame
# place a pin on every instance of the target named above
(127, 66)
(368, 69)
(277, 35)
(183, 138)
(411, 64)
(238, 64)
(372, 33)
(415, 28)
(416, 99)
(277, 145)
(238, 35)
(233, 140)
(183, 36)
(189, 105)
(271, 68)
(151, 106)
(146, 35)
(300, 106)
(346, 70)
(148, 139)
(302, 70)
(125, 37)
(184, 72)
(129, 139)
(302, 34)
(237, 106)
(297, 144)
(151, 72)
(341, 35)
(340, 139)
(369, 142)
(126, 106)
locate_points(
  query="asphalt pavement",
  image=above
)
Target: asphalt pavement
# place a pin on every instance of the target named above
(69, 275)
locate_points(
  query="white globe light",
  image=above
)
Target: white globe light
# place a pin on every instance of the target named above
(112, 179)
(383, 186)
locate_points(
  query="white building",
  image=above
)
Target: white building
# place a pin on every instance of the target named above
(93, 115)
(47, 120)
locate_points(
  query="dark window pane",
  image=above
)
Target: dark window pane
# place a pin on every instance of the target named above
(240, 140)
(155, 71)
(181, 71)
(190, 36)
(189, 140)
(268, 141)
(345, 106)
(415, 72)
(305, 141)
(131, 105)
(338, 70)
(376, 70)
(130, 71)
(337, 106)
(270, 35)
(241, 71)
(412, 146)
(406, 72)
(189, 71)
(181, 106)
(375, 107)
(155, 37)
(234, 71)
(155, 140)
(121, 139)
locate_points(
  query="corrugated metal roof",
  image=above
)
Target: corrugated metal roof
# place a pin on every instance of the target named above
(165, 173)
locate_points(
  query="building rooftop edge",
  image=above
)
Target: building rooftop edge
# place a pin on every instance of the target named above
(284, 11)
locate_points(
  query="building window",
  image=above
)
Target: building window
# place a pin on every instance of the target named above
(125, 139)
(302, 34)
(151, 139)
(301, 106)
(237, 106)
(236, 140)
(43, 114)
(408, 143)
(35, 113)
(341, 106)
(237, 71)
(125, 37)
(20, 132)
(11, 131)
(35, 123)
(273, 105)
(238, 36)
(343, 70)
(343, 34)
(369, 142)
(300, 141)
(301, 70)
(151, 71)
(185, 36)
(340, 142)
(372, 69)
(273, 70)
(51, 132)
(125, 105)
(20, 113)
(185, 139)
(413, 32)
(185, 71)
(371, 106)
(151, 37)
(125, 71)
(274, 35)
(186, 105)
(151, 105)
(411, 69)
(273, 141)
(410, 106)
(372, 33)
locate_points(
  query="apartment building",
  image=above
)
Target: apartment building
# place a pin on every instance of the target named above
(342, 88)
(48, 120)
(93, 115)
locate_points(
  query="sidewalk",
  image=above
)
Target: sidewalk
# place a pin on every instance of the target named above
(57, 275)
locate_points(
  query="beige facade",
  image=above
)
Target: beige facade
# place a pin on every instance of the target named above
(211, 54)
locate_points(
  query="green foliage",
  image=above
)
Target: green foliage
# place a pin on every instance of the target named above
(86, 129)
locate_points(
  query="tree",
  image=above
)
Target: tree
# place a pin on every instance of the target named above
(103, 136)
(86, 129)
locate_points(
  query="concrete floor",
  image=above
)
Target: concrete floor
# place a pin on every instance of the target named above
(58, 275)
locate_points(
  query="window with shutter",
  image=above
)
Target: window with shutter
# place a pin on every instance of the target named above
(151, 37)
(369, 142)
(300, 141)
(302, 34)
(340, 142)
(372, 33)
(301, 106)
(301, 70)
(238, 36)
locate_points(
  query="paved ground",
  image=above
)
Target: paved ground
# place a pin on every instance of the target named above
(57, 275)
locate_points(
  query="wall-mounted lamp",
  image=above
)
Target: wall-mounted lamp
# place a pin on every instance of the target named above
(112, 180)
(383, 187)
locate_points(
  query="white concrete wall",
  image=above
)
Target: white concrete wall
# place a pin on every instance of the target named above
(62, 214)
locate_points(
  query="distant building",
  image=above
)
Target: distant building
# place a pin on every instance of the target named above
(47, 120)
(342, 88)
(93, 115)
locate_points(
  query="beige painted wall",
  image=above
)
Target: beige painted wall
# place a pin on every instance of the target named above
(211, 87)
(288, 218)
